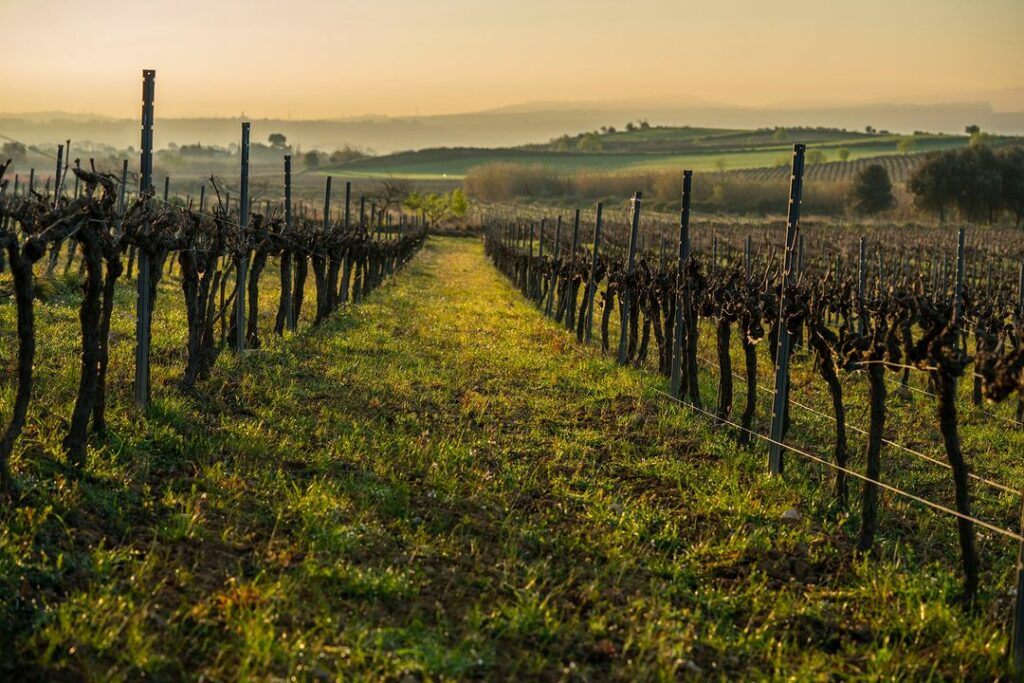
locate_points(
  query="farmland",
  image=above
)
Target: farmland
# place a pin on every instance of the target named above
(648, 150)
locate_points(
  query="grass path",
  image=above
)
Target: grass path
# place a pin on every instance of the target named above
(439, 484)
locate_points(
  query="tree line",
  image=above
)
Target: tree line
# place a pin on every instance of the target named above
(976, 183)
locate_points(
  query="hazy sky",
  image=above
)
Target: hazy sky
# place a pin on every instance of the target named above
(330, 58)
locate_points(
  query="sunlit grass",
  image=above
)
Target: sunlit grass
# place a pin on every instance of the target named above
(440, 484)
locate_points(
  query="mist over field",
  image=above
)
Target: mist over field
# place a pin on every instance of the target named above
(513, 125)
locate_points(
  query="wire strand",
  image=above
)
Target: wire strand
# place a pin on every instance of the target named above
(924, 501)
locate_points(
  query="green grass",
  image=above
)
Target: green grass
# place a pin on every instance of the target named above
(439, 484)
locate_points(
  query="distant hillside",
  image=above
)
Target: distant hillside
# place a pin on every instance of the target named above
(654, 147)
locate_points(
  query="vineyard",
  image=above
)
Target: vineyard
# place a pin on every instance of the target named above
(900, 168)
(329, 443)
(828, 333)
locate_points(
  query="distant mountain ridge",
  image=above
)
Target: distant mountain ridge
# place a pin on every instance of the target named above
(507, 126)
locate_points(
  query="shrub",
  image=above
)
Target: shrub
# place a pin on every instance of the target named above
(872, 190)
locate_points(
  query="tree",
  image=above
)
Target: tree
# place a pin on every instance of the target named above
(278, 140)
(15, 151)
(972, 129)
(590, 142)
(906, 145)
(561, 144)
(843, 154)
(391, 192)
(346, 154)
(815, 156)
(934, 184)
(630, 126)
(439, 207)
(1012, 167)
(872, 190)
(311, 159)
(979, 139)
(980, 195)
(971, 180)
(644, 125)
(869, 129)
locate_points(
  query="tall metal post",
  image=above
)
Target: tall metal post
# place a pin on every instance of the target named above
(634, 210)
(779, 407)
(286, 301)
(676, 378)
(143, 314)
(243, 230)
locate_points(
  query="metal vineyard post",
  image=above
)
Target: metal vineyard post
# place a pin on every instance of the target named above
(782, 350)
(142, 312)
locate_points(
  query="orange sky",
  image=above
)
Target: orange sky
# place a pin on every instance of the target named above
(321, 58)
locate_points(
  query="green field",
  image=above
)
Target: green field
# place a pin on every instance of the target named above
(438, 484)
(650, 149)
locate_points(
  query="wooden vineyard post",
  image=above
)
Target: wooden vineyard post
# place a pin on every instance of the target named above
(243, 255)
(346, 263)
(958, 293)
(782, 351)
(624, 308)
(593, 275)
(143, 315)
(747, 246)
(327, 206)
(862, 326)
(571, 285)
(121, 196)
(958, 283)
(286, 300)
(679, 335)
(60, 163)
(1020, 291)
(1016, 644)
(554, 271)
